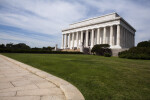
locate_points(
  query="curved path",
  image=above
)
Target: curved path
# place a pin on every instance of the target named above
(19, 81)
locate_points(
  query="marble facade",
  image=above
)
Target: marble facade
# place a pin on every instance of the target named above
(107, 29)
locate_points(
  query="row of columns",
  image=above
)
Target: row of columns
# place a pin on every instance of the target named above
(127, 38)
(124, 38)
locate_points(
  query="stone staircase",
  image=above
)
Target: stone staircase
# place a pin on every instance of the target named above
(116, 51)
(71, 50)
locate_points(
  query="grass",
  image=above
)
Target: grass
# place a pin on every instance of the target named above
(98, 78)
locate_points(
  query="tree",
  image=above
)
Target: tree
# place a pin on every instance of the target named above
(21, 46)
(47, 48)
(2, 46)
(144, 44)
(142, 51)
(9, 45)
(101, 49)
(97, 50)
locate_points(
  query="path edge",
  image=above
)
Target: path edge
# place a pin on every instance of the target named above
(69, 90)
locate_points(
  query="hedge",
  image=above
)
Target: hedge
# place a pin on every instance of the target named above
(36, 51)
(136, 53)
(144, 44)
(102, 49)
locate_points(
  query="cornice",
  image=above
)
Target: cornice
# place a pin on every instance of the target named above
(95, 18)
(127, 23)
(91, 24)
(116, 19)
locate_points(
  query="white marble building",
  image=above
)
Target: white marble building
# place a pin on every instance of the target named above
(108, 29)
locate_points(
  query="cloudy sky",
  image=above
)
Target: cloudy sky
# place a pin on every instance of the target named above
(39, 23)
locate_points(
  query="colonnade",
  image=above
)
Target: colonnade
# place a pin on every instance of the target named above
(116, 36)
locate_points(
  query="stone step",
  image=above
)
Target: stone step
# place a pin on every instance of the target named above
(116, 51)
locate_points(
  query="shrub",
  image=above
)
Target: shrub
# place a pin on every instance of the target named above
(2, 46)
(136, 53)
(107, 54)
(142, 51)
(97, 50)
(104, 45)
(101, 49)
(144, 44)
(36, 51)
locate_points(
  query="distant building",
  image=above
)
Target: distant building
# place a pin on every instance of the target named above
(107, 29)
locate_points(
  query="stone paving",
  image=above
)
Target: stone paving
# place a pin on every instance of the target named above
(17, 83)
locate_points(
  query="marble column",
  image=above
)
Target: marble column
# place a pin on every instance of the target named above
(77, 39)
(118, 35)
(69, 41)
(63, 41)
(123, 37)
(81, 42)
(92, 38)
(104, 36)
(72, 40)
(126, 39)
(98, 36)
(129, 39)
(95, 36)
(111, 35)
(87, 37)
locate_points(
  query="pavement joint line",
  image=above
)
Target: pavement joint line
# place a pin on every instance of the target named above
(36, 85)
(40, 97)
(16, 93)
(12, 83)
(63, 87)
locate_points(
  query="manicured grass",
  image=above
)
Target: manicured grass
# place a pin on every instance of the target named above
(98, 78)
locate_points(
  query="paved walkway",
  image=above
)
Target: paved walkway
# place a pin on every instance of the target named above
(17, 83)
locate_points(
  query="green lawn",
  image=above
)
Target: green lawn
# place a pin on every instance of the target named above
(98, 78)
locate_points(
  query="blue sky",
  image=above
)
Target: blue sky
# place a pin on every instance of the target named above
(39, 23)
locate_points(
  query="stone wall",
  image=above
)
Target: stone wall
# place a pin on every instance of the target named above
(116, 51)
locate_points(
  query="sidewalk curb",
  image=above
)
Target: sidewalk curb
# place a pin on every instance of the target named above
(70, 91)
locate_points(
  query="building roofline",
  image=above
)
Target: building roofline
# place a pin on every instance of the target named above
(100, 22)
(127, 23)
(89, 24)
(94, 18)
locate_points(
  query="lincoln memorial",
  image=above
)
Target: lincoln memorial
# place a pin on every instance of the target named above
(107, 29)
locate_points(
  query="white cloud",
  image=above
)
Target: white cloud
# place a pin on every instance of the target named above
(137, 14)
(43, 16)
(50, 16)
(33, 42)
